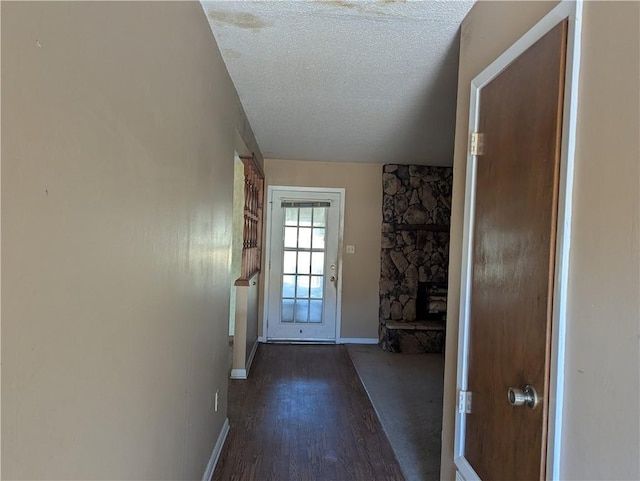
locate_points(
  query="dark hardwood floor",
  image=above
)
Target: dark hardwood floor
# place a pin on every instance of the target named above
(304, 415)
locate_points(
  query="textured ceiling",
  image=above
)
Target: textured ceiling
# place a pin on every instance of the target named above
(355, 81)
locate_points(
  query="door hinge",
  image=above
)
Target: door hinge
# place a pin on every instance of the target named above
(464, 402)
(476, 143)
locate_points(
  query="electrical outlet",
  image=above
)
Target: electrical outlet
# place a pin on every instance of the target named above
(215, 402)
(351, 249)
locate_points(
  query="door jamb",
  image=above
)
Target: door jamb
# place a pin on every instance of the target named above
(267, 251)
(573, 11)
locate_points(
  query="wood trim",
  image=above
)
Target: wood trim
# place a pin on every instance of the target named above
(251, 281)
(253, 219)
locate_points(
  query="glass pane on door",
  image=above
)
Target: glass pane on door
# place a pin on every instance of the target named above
(303, 265)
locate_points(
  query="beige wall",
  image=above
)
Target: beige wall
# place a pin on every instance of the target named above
(236, 236)
(246, 335)
(118, 123)
(252, 318)
(362, 224)
(246, 326)
(601, 423)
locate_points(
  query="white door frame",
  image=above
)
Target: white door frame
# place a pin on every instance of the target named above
(267, 262)
(573, 11)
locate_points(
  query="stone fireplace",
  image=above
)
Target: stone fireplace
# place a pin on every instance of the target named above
(416, 211)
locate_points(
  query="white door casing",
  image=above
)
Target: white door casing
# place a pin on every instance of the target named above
(304, 239)
(565, 10)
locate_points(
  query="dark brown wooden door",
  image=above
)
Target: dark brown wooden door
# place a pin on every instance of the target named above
(513, 261)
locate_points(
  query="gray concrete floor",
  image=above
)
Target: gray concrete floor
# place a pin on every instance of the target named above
(406, 392)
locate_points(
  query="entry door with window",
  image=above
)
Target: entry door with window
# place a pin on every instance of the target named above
(304, 265)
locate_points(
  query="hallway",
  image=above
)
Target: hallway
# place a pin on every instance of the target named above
(303, 414)
(121, 123)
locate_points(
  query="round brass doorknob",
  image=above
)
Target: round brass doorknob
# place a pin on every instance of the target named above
(519, 397)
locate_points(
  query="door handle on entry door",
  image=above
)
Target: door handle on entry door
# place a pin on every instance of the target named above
(528, 397)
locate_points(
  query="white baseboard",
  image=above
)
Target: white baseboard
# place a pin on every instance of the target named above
(217, 449)
(343, 340)
(243, 373)
(252, 355)
(358, 340)
(238, 374)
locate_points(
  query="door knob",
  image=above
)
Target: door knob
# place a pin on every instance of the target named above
(528, 397)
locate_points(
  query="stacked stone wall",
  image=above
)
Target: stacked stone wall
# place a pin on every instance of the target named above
(416, 203)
